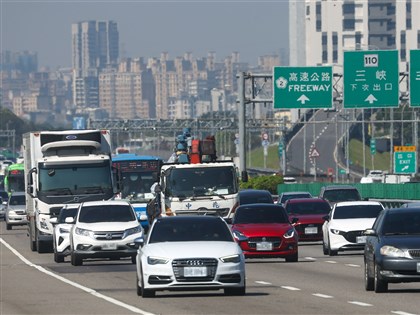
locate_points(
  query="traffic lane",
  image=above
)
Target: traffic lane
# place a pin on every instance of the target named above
(342, 278)
(117, 279)
(27, 290)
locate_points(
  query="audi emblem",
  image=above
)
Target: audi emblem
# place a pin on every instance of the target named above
(195, 263)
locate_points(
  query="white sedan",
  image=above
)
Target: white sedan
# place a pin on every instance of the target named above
(190, 253)
(344, 226)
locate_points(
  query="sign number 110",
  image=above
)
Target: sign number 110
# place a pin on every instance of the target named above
(371, 60)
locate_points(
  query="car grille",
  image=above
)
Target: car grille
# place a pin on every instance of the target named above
(351, 236)
(20, 212)
(252, 241)
(108, 236)
(222, 212)
(179, 264)
(415, 253)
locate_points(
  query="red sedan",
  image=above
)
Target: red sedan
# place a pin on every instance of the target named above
(264, 231)
(309, 211)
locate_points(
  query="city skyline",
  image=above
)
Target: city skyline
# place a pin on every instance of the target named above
(249, 27)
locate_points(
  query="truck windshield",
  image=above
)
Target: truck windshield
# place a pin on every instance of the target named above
(76, 179)
(201, 181)
(136, 185)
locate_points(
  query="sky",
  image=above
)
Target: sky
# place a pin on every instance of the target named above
(149, 27)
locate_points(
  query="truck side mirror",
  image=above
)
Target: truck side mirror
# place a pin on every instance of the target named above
(30, 187)
(244, 176)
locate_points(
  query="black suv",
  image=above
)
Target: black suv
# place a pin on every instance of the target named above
(338, 193)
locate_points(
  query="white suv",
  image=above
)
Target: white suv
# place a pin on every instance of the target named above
(105, 229)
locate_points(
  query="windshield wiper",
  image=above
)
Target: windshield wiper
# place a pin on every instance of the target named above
(60, 191)
(92, 190)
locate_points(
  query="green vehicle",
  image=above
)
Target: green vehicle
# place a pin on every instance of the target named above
(14, 179)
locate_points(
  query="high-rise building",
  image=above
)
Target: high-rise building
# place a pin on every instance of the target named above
(320, 31)
(95, 47)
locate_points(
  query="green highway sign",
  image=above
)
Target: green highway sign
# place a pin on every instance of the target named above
(371, 79)
(405, 162)
(414, 77)
(302, 87)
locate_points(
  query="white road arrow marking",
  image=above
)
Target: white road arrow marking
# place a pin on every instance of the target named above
(303, 99)
(371, 99)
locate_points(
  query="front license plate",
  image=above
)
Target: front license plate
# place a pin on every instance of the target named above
(264, 246)
(361, 239)
(109, 246)
(311, 230)
(418, 267)
(195, 271)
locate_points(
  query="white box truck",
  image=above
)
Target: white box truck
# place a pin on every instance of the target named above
(63, 167)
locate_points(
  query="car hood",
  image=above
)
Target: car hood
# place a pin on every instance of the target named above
(268, 229)
(108, 226)
(351, 224)
(17, 208)
(191, 249)
(402, 241)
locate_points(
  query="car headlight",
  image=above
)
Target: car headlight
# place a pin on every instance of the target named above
(239, 236)
(43, 224)
(337, 232)
(131, 231)
(157, 260)
(83, 232)
(393, 252)
(290, 233)
(64, 230)
(231, 259)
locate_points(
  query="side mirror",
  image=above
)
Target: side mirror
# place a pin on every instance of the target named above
(139, 242)
(228, 220)
(295, 220)
(142, 217)
(69, 220)
(370, 232)
(158, 189)
(326, 217)
(244, 176)
(54, 220)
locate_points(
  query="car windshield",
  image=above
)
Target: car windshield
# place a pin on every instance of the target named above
(106, 213)
(246, 198)
(249, 215)
(190, 230)
(357, 211)
(342, 195)
(17, 200)
(67, 213)
(401, 223)
(284, 198)
(308, 208)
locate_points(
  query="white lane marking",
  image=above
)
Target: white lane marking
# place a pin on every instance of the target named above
(263, 282)
(330, 262)
(359, 303)
(310, 258)
(353, 265)
(401, 313)
(322, 295)
(74, 284)
(290, 288)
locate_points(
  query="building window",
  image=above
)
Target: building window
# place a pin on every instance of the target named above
(348, 8)
(348, 25)
(324, 56)
(308, 10)
(318, 16)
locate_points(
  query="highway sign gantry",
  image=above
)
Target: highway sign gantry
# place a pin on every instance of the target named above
(414, 78)
(302, 87)
(371, 79)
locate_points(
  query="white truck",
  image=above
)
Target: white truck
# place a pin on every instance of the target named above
(193, 186)
(63, 167)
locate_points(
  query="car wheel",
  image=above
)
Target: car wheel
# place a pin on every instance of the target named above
(32, 242)
(324, 248)
(146, 293)
(137, 285)
(8, 226)
(236, 291)
(58, 258)
(40, 246)
(330, 251)
(292, 258)
(379, 284)
(369, 281)
(75, 260)
(133, 259)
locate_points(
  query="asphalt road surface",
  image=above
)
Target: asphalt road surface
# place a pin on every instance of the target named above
(32, 283)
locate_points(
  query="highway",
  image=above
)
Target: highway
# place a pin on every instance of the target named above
(33, 283)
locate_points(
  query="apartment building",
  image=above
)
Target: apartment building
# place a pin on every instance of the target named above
(320, 31)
